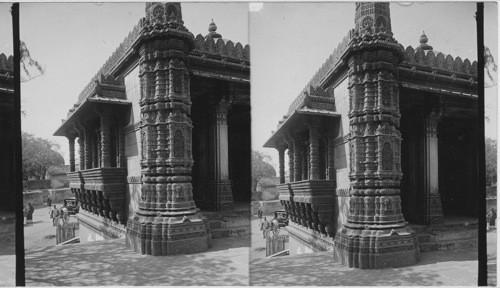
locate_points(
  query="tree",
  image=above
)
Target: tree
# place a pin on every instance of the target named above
(30, 68)
(491, 161)
(261, 168)
(490, 68)
(38, 155)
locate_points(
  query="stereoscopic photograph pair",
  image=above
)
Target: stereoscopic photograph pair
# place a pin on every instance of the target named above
(144, 144)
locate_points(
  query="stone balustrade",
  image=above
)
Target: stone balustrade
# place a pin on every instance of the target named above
(101, 191)
(310, 203)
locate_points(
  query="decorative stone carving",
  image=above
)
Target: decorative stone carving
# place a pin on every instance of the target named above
(71, 140)
(281, 155)
(375, 235)
(167, 221)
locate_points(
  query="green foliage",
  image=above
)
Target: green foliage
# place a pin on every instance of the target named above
(38, 155)
(261, 168)
(491, 161)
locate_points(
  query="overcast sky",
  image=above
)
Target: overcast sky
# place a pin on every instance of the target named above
(6, 29)
(290, 42)
(72, 41)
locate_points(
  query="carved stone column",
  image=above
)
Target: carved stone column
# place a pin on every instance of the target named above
(429, 209)
(314, 150)
(167, 221)
(291, 155)
(222, 197)
(281, 155)
(71, 140)
(88, 148)
(105, 138)
(297, 158)
(331, 173)
(375, 235)
(122, 159)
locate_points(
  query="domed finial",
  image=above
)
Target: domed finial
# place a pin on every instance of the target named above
(423, 38)
(423, 43)
(212, 28)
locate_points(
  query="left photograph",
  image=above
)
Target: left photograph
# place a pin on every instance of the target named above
(136, 143)
(7, 150)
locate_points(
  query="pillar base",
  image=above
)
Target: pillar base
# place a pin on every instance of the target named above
(375, 249)
(220, 197)
(429, 210)
(160, 236)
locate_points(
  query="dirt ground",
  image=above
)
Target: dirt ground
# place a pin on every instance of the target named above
(40, 233)
(7, 252)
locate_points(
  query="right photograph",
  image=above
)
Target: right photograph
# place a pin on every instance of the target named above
(365, 143)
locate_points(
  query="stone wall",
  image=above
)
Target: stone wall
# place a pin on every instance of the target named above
(268, 207)
(59, 181)
(36, 184)
(491, 203)
(269, 193)
(39, 197)
(58, 195)
(35, 197)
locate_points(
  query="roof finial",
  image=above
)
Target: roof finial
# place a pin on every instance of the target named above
(423, 42)
(212, 28)
(423, 38)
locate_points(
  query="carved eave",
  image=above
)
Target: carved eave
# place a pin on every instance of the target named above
(220, 60)
(106, 92)
(6, 83)
(312, 105)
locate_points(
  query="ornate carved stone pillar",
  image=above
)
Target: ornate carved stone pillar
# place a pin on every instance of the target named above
(331, 173)
(429, 209)
(105, 138)
(291, 158)
(71, 140)
(281, 155)
(221, 184)
(297, 158)
(375, 235)
(88, 148)
(314, 149)
(167, 221)
(122, 159)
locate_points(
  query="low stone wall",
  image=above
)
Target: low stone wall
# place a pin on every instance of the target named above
(39, 197)
(491, 203)
(58, 195)
(36, 184)
(268, 207)
(35, 197)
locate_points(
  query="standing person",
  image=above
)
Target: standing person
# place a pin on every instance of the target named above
(28, 211)
(49, 203)
(55, 216)
(259, 213)
(491, 217)
(265, 228)
(65, 214)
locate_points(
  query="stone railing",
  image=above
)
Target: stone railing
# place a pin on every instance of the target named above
(220, 47)
(6, 64)
(101, 191)
(440, 61)
(310, 203)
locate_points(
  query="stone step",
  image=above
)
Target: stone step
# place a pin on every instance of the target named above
(445, 238)
(229, 224)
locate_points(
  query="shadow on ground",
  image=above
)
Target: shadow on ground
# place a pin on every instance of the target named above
(111, 263)
(319, 269)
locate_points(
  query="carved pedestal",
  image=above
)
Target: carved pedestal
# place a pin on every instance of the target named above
(167, 221)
